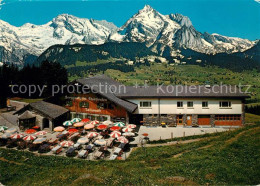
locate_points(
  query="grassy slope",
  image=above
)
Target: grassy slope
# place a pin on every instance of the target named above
(231, 158)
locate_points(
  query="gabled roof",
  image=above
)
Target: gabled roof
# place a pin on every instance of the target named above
(26, 115)
(48, 109)
(107, 87)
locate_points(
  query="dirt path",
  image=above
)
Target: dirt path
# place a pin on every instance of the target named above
(13, 162)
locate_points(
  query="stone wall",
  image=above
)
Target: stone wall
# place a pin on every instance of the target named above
(155, 120)
(194, 120)
(212, 120)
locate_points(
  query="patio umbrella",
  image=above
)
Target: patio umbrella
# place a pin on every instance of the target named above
(40, 133)
(107, 122)
(29, 138)
(3, 128)
(39, 140)
(119, 124)
(79, 124)
(17, 136)
(127, 129)
(85, 120)
(73, 130)
(11, 130)
(66, 143)
(30, 131)
(75, 120)
(114, 128)
(83, 140)
(102, 127)
(115, 134)
(132, 126)
(59, 129)
(92, 134)
(122, 139)
(67, 123)
(65, 132)
(36, 127)
(95, 122)
(100, 142)
(89, 126)
(128, 134)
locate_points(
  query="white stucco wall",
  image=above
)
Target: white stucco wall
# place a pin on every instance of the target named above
(169, 106)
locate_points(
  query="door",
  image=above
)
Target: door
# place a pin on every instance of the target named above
(188, 120)
(203, 119)
(179, 119)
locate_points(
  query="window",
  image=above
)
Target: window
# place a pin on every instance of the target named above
(145, 104)
(190, 104)
(179, 104)
(69, 103)
(102, 105)
(225, 104)
(205, 104)
(84, 104)
(235, 117)
(163, 115)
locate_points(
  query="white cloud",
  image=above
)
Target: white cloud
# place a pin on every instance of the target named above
(258, 1)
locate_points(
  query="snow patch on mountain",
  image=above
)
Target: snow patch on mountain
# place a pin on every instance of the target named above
(63, 29)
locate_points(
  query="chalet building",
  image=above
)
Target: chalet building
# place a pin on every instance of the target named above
(42, 114)
(153, 105)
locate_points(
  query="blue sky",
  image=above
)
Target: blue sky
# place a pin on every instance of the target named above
(237, 18)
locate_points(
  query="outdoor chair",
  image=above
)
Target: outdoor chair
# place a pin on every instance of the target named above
(11, 143)
(21, 145)
(44, 148)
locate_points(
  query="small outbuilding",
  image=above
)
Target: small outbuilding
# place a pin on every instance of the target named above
(42, 114)
(26, 120)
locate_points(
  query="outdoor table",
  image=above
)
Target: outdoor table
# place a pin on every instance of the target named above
(113, 157)
(83, 154)
(117, 151)
(56, 149)
(98, 154)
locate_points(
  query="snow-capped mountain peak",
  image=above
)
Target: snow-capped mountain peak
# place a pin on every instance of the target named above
(63, 29)
(174, 31)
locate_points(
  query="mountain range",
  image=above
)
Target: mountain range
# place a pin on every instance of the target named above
(166, 35)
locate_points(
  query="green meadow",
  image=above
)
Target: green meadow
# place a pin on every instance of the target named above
(230, 158)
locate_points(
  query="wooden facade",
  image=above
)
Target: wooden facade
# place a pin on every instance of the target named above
(94, 105)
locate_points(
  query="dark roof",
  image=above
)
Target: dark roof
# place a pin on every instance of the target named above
(107, 87)
(26, 115)
(182, 91)
(48, 109)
